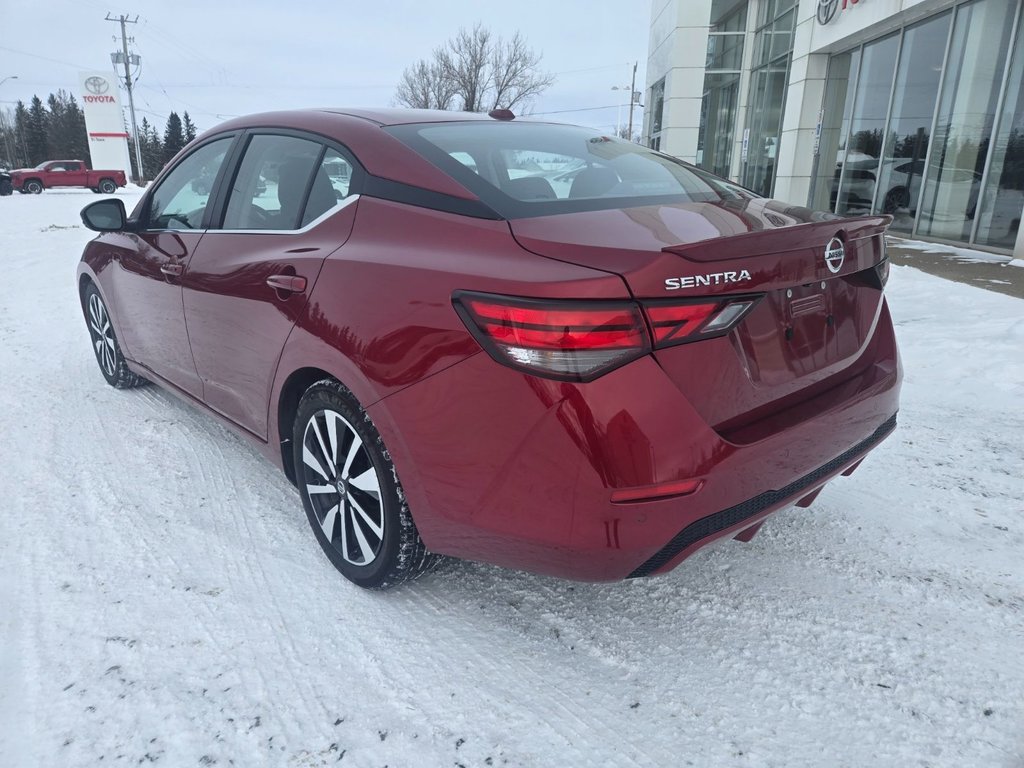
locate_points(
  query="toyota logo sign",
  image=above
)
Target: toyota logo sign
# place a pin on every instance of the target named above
(827, 9)
(835, 254)
(96, 85)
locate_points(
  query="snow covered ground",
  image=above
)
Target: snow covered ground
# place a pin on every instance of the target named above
(966, 255)
(162, 600)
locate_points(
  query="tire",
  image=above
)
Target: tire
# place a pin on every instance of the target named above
(107, 186)
(895, 198)
(104, 342)
(33, 187)
(358, 512)
(5, 188)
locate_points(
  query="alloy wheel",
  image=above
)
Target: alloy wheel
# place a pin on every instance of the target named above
(342, 486)
(102, 335)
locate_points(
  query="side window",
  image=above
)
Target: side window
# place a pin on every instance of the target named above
(271, 183)
(180, 200)
(467, 160)
(331, 185)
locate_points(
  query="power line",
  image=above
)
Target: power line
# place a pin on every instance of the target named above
(563, 112)
(42, 58)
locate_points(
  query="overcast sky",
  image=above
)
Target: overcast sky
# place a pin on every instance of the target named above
(218, 59)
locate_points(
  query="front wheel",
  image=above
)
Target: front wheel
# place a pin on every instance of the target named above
(33, 187)
(350, 491)
(107, 187)
(104, 342)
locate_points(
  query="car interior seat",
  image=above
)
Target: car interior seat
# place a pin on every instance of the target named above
(530, 188)
(593, 181)
(293, 176)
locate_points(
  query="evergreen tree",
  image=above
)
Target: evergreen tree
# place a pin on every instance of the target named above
(153, 161)
(21, 120)
(66, 136)
(74, 121)
(174, 137)
(35, 133)
(190, 128)
(55, 129)
(150, 148)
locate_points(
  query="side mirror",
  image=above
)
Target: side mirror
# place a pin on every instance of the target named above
(105, 216)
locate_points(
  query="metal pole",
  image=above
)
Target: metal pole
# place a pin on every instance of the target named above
(131, 98)
(632, 100)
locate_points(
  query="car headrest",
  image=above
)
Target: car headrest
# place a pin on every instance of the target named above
(530, 188)
(593, 182)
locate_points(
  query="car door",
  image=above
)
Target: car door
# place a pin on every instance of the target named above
(287, 208)
(147, 282)
(75, 175)
(56, 175)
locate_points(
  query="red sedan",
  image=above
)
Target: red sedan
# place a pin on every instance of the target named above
(518, 342)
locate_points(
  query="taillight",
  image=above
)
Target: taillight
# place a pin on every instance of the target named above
(579, 340)
(570, 340)
(674, 323)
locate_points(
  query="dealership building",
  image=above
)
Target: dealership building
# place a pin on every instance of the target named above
(908, 107)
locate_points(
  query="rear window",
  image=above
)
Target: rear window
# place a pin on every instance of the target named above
(538, 169)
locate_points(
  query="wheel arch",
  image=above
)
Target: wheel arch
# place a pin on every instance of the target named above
(294, 387)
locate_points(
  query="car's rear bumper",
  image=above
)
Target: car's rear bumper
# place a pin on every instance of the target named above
(742, 515)
(518, 471)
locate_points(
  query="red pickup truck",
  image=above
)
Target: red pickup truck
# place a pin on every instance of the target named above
(65, 173)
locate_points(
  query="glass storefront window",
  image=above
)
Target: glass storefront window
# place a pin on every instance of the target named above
(906, 142)
(721, 85)
(657, 107)
(966, 116)
(718, 116)
(859, 172)
(835, 125)
(725, 52)
(1003, 201)
(773, 48)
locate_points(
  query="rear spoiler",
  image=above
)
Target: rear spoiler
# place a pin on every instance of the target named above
(814, 234)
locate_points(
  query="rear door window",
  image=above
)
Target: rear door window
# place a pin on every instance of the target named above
(332, 184)
(270, 188)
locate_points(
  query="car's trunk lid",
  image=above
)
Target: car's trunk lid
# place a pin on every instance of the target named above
(809, 328)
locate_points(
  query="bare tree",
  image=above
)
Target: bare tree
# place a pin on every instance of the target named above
(424, 87)
(476, 72)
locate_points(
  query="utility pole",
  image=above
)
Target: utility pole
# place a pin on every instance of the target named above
(125, 59)
(632, 101)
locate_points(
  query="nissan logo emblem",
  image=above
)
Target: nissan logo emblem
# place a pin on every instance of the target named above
(835, 254)
(96, 85)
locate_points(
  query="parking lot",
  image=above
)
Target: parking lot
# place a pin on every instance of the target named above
(162, 600)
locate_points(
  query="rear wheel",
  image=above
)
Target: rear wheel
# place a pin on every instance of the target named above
(350, 491)
(104, 342)
(33, 187)
(107, 186)
(895, 199)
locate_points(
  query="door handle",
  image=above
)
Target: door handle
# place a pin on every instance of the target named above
(172, 270)
(287, 283)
